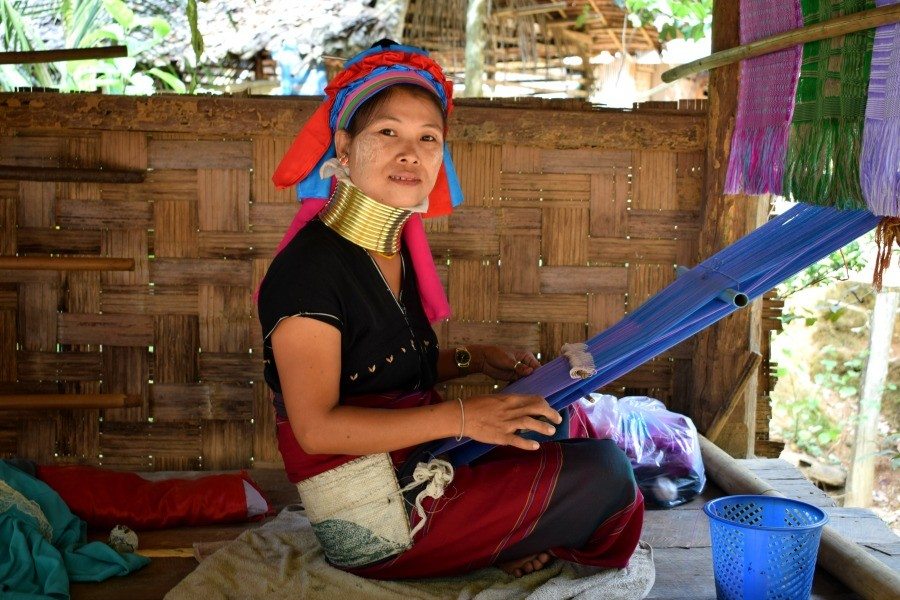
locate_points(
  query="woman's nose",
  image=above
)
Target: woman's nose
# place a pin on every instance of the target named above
(408, 153)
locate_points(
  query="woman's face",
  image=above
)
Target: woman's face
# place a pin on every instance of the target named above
(396, 157)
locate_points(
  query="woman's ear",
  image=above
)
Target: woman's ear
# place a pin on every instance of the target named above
(342, 143)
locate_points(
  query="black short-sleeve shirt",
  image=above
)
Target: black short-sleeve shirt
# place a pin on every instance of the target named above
(387, 343)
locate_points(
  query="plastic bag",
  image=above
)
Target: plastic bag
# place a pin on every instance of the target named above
(663, 446)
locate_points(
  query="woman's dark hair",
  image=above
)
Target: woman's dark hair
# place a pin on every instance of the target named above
(365, 113)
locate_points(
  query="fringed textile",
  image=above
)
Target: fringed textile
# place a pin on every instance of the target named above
(886, 235)
(826, 135)
(880, 161)
(766, 101)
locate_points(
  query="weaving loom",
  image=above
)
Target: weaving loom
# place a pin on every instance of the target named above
(823, 129)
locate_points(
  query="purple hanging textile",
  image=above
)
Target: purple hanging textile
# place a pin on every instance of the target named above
(880, 157)
(766, 100)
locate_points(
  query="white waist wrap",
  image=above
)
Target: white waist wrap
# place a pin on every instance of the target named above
(357, 509)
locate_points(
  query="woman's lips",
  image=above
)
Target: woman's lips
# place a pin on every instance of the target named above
(405, 179)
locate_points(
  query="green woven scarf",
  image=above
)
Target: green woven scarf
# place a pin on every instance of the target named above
(826, 132)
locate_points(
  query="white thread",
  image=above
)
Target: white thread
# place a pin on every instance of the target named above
(438, 473)
(581, 362)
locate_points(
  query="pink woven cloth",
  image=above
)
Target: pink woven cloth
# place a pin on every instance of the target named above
(765, 101)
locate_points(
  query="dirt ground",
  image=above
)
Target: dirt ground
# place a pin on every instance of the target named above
(816, 361)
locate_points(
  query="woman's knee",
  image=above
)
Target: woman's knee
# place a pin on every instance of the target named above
(603, 468)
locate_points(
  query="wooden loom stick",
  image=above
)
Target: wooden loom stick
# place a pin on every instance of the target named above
(66, 263)
(54, 401)
(865, 19)
(64, 54)
(71, 174)
(751, 368)
(841, 557)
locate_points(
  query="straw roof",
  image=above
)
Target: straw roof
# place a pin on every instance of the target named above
(529, 37)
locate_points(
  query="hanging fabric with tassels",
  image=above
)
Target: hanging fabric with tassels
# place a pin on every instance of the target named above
(826, 135)
(766, 100)
(880, 162)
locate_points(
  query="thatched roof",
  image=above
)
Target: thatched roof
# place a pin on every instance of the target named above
(525, 37)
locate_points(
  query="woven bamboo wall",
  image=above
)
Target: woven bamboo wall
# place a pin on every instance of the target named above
(573, 218)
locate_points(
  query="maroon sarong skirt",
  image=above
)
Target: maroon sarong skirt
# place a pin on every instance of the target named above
(575, 499)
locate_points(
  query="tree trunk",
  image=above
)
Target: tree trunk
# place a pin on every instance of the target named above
(395, 11)
(862, 466)
(476, 15)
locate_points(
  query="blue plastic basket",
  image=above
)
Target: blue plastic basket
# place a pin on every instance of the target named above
(763, 547)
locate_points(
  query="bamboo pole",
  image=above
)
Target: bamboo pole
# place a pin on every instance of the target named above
(70, 174)
(65, 263)
(751, 369)
(865, 19)
(55, 401)
(61, 55)
(843, 558)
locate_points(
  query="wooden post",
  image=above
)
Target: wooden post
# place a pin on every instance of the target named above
(476, 15)
(721, 350)
(862, 465)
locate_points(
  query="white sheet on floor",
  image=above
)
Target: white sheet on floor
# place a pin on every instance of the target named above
(283, 559)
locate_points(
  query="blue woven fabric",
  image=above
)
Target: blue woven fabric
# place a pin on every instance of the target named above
(753, 265)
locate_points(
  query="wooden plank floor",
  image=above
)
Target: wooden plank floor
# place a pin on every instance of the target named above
(680, 539)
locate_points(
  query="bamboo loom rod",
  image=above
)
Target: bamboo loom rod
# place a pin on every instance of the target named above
(71, 174)
(865, 19)
(56, 401)
(841, 557)
(65, 263)
(63, 54)
(751, 368)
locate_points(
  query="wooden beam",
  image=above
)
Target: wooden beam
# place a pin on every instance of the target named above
(531, 9)
(751, 368)
(65, 263)
(843, 558)
(720, 350)
(71, 174)
(864, 19)
(59, 401)
(61, 55)
(274, 116)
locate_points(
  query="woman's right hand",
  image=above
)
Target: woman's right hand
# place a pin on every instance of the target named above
(498, 418)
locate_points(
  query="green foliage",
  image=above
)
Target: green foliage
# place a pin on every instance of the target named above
(805, 423)
(831, 269)
(88, 24)
(688, 19)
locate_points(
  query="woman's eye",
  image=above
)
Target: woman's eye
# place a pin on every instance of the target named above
(386, 132)
(429, 138)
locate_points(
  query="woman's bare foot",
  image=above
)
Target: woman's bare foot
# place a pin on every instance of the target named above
(526, 565)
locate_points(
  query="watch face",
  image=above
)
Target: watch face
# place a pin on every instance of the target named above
(463, 357)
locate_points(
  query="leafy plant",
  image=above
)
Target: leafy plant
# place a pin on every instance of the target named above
(87, 24)
(689, 19)
(804, 421)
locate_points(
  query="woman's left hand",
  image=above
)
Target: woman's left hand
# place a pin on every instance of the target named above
(504, 364)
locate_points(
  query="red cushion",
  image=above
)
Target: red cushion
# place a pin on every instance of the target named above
(107, 498)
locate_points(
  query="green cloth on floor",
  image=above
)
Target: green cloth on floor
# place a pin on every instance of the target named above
(42, 544)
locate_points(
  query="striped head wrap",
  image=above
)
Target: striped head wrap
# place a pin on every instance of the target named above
(366, 74)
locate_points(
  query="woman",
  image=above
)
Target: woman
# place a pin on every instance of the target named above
(352, 360)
